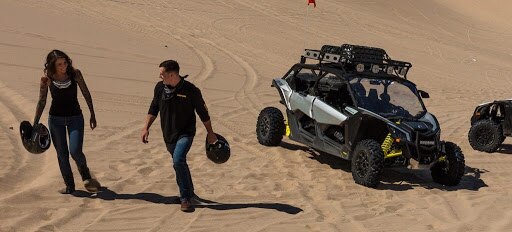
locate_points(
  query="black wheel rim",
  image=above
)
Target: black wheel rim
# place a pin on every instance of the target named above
(444, 166)
(484, 136)
(265, 126)
(362, 164)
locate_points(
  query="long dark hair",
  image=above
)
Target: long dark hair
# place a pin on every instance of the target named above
(49, 66)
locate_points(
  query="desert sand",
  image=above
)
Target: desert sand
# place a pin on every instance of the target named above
(461, 53)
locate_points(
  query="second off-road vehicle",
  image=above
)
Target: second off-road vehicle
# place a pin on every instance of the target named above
(491, 123)
(356, 103)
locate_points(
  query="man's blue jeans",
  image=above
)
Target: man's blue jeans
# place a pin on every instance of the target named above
(74, 126)
(179, 152)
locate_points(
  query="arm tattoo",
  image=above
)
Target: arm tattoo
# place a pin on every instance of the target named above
(43, 92)
(85, 91)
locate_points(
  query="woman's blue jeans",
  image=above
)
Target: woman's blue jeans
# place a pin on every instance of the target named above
(60, 128)
(179, 152)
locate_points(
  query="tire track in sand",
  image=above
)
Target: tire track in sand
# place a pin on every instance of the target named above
(249, 84)
(25, 167)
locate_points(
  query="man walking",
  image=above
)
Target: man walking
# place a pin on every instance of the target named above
(176, 99)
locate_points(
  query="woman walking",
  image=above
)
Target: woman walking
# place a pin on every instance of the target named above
(66, 117)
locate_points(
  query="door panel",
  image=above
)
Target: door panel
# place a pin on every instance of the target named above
(326, 114)
(302, 103)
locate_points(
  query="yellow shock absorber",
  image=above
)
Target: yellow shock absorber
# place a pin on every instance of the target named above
(394, 153)
(386, 148)
(386, 145)
(287, 132)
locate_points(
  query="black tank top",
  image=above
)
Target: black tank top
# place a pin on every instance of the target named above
(64, 100)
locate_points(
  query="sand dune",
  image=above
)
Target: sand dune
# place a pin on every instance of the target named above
(461, 54)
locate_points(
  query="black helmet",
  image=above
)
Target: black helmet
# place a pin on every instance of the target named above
(218, 152)
(35, 139)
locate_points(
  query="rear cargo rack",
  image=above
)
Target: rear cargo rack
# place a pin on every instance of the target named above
(362, 59)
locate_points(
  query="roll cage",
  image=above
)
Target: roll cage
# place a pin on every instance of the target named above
(321, 69)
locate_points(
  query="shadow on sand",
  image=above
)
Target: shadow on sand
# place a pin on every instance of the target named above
(109, 195)
(398, 178)
(505, 149)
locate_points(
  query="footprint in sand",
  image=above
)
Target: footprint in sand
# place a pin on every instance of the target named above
(146, 171)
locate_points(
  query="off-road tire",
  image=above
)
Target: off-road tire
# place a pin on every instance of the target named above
(486, 136)
(270, 127)
(367, 163)
(449, 171)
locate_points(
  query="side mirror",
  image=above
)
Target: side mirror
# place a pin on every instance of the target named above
(423, 94)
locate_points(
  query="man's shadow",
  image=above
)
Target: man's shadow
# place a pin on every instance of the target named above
(398, 178)
(106, 194)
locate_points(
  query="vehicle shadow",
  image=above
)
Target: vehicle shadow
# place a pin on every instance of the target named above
(294, 147)
(399, 178)
(109, 195)
(505, 149)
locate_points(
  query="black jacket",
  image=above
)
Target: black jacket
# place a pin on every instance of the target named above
(176, 107)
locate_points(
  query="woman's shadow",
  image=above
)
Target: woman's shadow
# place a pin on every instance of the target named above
(106, 194)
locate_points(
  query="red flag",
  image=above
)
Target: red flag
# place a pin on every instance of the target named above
(312, 1)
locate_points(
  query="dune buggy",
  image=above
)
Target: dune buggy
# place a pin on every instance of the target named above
(356, 103)
(491, 123)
